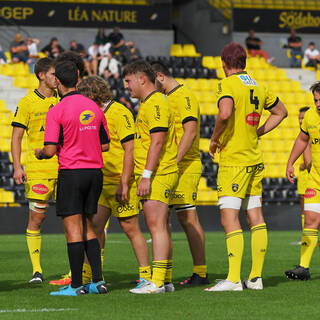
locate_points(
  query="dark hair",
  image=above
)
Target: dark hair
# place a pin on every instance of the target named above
(304, 109)
(315, 87)
(67, 73)
(140, 66)
(73, 57)
(158, 66)
(95, 88)
(311, 43)
(234, 56)
(43, 65)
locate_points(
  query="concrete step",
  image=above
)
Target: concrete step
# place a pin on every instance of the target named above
(306, 77)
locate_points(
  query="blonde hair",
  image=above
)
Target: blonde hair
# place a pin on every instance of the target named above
(95, 88)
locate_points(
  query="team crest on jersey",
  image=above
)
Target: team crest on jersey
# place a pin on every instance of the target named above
(310, 193)
(247, 80)
(253, 119)
(166, 193)
(40, 189)
(86, 117)
(235, 187)
(194, 196)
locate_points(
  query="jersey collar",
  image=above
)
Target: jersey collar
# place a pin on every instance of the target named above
(241, 72)
(153, 92)
(39, 94)
(71, 93)
(174, 89)
(107, 105)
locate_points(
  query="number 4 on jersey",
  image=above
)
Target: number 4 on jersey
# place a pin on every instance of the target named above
(254, 100)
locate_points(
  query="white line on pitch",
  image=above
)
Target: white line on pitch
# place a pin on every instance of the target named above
(38, 310)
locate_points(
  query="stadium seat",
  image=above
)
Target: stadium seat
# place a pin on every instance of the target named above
(176, 50)
(204, 145)
(189, 50)
(204, 85)
(208, 62)
(3, 106)
(284, 86)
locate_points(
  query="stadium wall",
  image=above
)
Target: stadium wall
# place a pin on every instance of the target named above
(284, 217)
(150, 42)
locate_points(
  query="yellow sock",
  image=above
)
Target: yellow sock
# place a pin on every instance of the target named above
(309, 242)
(102, 258)
(302, 221)
(145, 273)
(159, 270)
(86, 273)
(168, 277)
(201, 270)
(234, 241)
(259, 243)
(34, 246)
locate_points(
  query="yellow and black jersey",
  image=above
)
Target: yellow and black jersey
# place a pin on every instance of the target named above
(239, 141)
(121, 127)
(31, 115)
(311, 126)
(186, 108)
(155, 115)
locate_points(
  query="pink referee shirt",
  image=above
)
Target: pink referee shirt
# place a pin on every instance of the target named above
(78, 126)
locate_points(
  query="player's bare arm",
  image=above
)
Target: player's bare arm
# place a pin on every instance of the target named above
(16, 140)
(189, 134)
(306, 158)
(157, 140)
(277, 114)
(128, 164)
(299, 146)
(225, 111)
(46, 152)
(105, 147)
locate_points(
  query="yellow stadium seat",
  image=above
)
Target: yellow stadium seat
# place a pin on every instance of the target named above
(3, 106)
(284, 86)
(192, 83)
(204, 144)
(309, 100)
(208, 108)
(207, 97)
(6, 197)
(213, 84)
(300, 98)
(5, 145)
(176, 50)
(266, 145)
(208, 62)
(274, 86)
(218, 62)
(295, 86)
(288, 98)
(204, 85)
(189, 50)
(281, 74)
(220, 73)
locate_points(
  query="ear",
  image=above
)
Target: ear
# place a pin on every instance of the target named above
(160, 76)
(58, 81)
(141, 78)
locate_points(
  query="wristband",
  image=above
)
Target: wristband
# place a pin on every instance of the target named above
(147, 174)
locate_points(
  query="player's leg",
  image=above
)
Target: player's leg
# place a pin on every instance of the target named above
(131, 227)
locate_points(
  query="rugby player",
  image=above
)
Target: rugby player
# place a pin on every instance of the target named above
(39, 177)
(241, 101)
(309, 134)
(183, 199)
(119, 193)
(156, 171)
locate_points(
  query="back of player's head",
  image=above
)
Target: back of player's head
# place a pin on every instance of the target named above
(304, 109)
(67, 73)
(315, 87)
(43, 65)
(158, 66)
(141, 66)
(75, 58)
(234, 56)
(95, 88)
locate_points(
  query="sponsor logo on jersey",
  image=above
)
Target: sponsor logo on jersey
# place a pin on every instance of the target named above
(188, 106)
(157, 113)
(235, 187)
(219, 188)
(177, 196)
(86, 117)
(310, 193)
(247, 80)
(15, 114)
(253, 119)
(128, 125)
(166, 193)
(40, 189)
(125, 208)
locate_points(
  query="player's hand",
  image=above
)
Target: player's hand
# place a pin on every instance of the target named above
(19, 176)
(36, 153)
(302, 167)
(122, 193)
(144, 187)
(214, 145)
(290, 173)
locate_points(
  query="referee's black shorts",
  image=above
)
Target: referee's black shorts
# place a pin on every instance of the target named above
(78, 191)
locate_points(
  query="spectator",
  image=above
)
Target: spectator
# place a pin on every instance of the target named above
(295, 47)
(94, 55)
(132, 53)
(32, 44)
(77, 47)
(254, 47)
(19, 50)
(53, 48)
(311, 56)
(3, 58)
(101, 38)
(116, 40)
(109, 67)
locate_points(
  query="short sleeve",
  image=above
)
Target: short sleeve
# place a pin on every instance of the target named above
(52, 131)
(125, 126)
(21, 115)
(271, 100)
(304, 125)
(158, 116)
(188, 108)
(224, 90)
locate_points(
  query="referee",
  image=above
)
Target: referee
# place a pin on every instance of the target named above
(76, 130)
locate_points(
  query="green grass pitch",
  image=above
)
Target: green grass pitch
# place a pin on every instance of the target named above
(281, 298)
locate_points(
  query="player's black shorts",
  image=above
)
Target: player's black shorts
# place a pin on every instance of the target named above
(78, 191)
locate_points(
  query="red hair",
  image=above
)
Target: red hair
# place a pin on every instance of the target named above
(234, 56)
